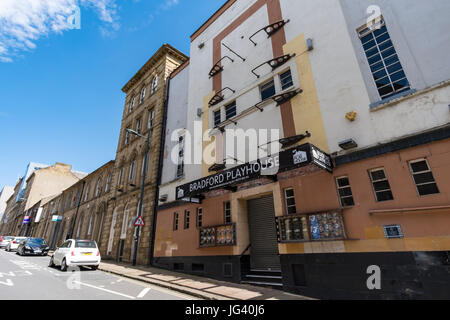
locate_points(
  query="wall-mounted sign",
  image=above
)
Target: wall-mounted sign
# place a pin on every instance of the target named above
(284, 161)
(57, 218)
(26, 220)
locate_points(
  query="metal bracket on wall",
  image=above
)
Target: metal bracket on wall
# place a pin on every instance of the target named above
(270, 30)
(243, 59)
(217, 68)
(218, 97)
(274, 63)
(284, 97)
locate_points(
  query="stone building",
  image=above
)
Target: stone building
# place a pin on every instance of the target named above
(78, 211)
(10, 210)
(144, 114)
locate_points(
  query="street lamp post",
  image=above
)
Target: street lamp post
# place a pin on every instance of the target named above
(138, 228)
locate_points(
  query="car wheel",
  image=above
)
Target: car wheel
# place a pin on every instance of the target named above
(64, 265)
(94, 268)
(51, 264)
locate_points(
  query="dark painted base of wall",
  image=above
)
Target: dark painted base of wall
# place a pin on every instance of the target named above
(404, 275)
(225, 268)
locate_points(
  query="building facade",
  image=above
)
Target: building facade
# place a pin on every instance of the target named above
(143, 114)
(5, 194)
(346, 110)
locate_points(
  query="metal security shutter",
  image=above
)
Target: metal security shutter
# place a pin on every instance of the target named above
(263, 234)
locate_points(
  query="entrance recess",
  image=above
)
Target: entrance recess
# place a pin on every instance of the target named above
(263, 234)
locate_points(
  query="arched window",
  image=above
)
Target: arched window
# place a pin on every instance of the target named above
(132, 170)
(141, 99)
(154, 84)
(80, 225)
(86, 194)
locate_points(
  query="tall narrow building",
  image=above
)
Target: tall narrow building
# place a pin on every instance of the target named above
(143, 114)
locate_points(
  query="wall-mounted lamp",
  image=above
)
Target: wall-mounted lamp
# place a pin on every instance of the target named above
(348, 144)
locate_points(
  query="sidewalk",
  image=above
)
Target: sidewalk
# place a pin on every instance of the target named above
(202, 288)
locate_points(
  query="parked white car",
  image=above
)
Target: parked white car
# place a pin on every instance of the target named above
(14, 243)
(79, 253)
(4, 240)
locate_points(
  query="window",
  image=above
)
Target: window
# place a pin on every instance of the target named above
(290, 201)
(108, 183)
(268, 90)
(120, 176)
(217, 118)
(98, 190)
(141, 99)
(345, 192)
(126, 214)
(132, 104)
(227, 212)
(385, 66)
(138, 126)
(127, 136)
(132, 170)
(286, 80)
(175, 221)
(86, 194)
(151, 118)
(381, 185)
(199, 217)
(69, 201)
(230, 110)
(154, 84)
(423, 177)
(393, 232)
(91, 222)
(187, 219)
(80, 224)
(180, 165)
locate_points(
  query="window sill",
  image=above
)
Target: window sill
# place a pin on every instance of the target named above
(321, 240)
(392, 100)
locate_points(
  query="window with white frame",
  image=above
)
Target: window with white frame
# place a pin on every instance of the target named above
(423, 177)
(138, 126)
(289, 197)
(127, 136)
(132, 170)
(345, 192)
(154, 84)
(385, 66)
(230, 110)
(142, 96)
(108, 182)
(126, 215)
(91, 222)
(393, 231)
(151, 118)
(267, 90)
(119, 181)
(132, 102)
(187, 219)
(98, 189)
(381, 185)
(217, 117)
(286, 80)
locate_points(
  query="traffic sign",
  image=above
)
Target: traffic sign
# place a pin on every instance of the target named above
(139, 222)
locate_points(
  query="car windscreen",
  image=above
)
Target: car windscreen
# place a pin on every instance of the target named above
(37, 242)
(85, 244)
(8, 238)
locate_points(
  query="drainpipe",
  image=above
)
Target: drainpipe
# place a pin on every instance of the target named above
(72, 225)
(159, 171)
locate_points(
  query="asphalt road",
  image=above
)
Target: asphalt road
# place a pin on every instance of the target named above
(24, 278)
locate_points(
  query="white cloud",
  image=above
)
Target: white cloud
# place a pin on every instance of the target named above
(22, 22)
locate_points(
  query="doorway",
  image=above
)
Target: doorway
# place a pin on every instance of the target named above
(263, 234)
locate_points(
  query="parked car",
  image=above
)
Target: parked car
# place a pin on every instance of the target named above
(4, 240)
(14, 243)
(80, 253)
(33, 246)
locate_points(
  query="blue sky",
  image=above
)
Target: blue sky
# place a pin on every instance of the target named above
(60, 88)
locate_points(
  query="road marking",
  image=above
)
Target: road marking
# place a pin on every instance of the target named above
(106, 290)
(8, 283)
(143, 293)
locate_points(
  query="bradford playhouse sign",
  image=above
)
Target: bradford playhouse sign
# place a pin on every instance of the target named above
(268, 167)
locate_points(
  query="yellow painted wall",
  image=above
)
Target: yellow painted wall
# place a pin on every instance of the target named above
(305, 107)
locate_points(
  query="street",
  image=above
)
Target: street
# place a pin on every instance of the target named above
(30, 278)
